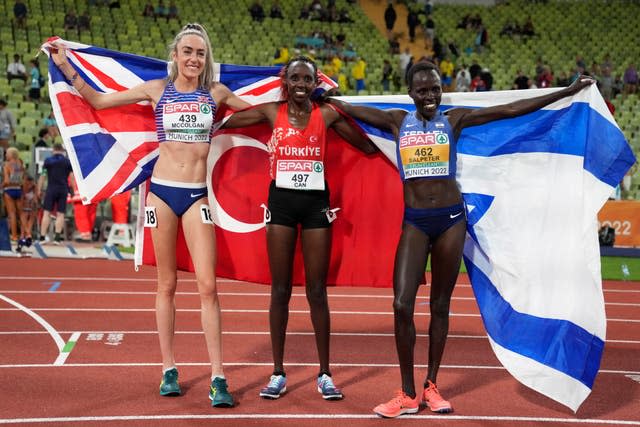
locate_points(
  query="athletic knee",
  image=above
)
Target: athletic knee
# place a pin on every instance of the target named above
(280, 295)
(207, 289)
(439, 307)
(316, 295)
(167, 287)
(403, 308)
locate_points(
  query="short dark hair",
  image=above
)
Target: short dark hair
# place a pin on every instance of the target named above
(420, 66)
(43, 132)
(58, 147)
(283, 72)
(3, 102)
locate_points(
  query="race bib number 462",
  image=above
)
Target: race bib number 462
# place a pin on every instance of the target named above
(300, 174)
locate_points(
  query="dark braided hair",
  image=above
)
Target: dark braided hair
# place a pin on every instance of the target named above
(423, 65)
(284, 92)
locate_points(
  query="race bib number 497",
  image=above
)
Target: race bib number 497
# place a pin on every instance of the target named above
(300, 174)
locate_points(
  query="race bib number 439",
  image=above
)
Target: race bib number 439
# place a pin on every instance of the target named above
(187, 121)
(300, 174)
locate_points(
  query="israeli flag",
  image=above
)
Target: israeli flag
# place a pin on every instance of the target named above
(533, 186)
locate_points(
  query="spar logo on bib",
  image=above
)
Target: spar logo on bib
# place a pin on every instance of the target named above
(205, 108)
(318, 166)
(442, 138)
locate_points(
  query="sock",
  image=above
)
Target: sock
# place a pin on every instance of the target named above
(164, 371)
(213, 377)
(324, 372)
(279, 373)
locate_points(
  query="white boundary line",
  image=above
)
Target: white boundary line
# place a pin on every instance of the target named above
(244, 333)
(197, 310)
(318, 417)
(64, 352)
(270, 364)
(54, 334)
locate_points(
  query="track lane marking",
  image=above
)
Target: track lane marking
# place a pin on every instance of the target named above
(318, 417)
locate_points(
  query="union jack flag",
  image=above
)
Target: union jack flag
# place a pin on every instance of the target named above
(114, 150)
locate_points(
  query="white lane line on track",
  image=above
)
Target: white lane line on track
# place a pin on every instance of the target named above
(254, 294)
(270, 364)
(197, 310)
(450, 417)
(35, 316)
(245, 333)
(66, 350)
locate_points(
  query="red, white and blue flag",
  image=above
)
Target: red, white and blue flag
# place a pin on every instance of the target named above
(533, 186)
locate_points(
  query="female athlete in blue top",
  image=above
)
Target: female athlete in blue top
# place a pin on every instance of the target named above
(184, 106)
(434, 218)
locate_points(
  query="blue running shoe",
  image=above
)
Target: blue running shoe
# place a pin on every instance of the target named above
(219, 394)
(169, 385)
(276, 387)
(328, 389)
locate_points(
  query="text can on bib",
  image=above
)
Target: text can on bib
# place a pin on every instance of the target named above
(150, 217)
(300, 174)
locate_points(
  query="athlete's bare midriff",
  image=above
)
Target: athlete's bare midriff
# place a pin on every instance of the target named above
(431, 193)
(182, 162)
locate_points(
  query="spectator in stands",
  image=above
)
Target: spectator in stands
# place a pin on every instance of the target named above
(276, 11)
(84, 21)
(465, 22)
(148, 10)
(474, 69)
(545, 79)
(56, 171)
(358, 72)
(482, 38)
(36, 81)
(477, 84)
(563, 80)
(390, 17)
(387, 75)
(618, 85)
(521, 81)
(487, 78)
(7, 125)
(70, 20)
(439, 50)
(403, 62)
(257, 12)
(20, 14)
(304, 12)
(16, 70)
(394, 45)
(605, 83)
(429, 29)
(281, 56)
(453, 48)
(51, 125)
(463, 79)
(630, 79)
(161, 11)
(446, 72)
(528, 29)
(43, 135)
(316, 11)
(13, 172)
(173, 11)
(508, 29)
(580, 64)
(412, 22)
(344, 17)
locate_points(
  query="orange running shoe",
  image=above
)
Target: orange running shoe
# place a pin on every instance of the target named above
(401, 404)
(432, 398)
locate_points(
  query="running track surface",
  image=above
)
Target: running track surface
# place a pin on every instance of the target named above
(111, 375)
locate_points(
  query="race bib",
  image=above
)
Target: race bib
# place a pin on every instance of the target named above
(205, 214)
(300, 174)
(425, 155)
(150, 217)
(187, 121)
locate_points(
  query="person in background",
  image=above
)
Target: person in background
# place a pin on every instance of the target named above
(7, 125)
(29, 212)
(13, 173)
(16, 70)
(56, 172)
